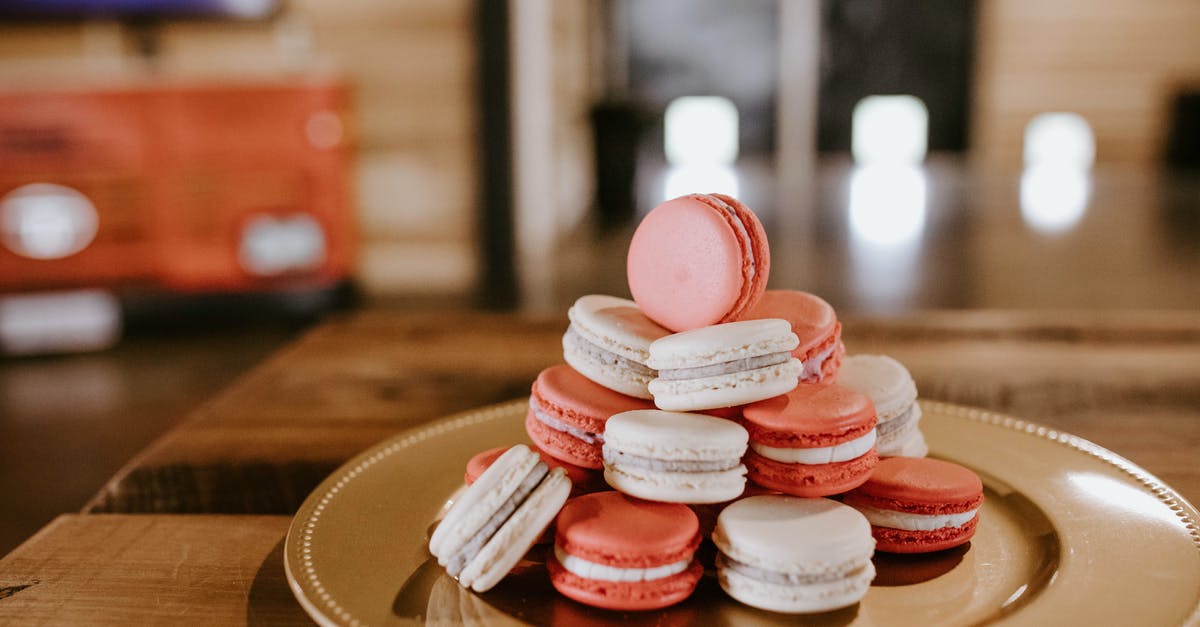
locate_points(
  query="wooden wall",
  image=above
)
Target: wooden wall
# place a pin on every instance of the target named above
(1116, 62)
(411, 63)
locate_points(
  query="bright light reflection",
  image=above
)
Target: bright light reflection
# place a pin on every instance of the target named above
(889, 129)
(273, 246)
(1054, 198)
(1059, 139)
(887, 204)
(47, 221)
(1118, 495)
(701, 130)
(712, 179)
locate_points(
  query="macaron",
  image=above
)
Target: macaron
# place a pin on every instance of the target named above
(787, 554)
(724, 365)
(698, 260)
(919, 505)
(816, 326)
(583, 480)
(608, 341)
(567, 412)
(817, 440)
(498, 518)
(616, 552)
(675, 457)
(894, 393)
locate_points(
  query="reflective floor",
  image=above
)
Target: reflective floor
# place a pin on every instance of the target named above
(945, 235)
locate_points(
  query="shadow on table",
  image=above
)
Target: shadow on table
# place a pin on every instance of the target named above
(271, 601)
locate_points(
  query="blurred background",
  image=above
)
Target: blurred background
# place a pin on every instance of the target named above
(187, 184)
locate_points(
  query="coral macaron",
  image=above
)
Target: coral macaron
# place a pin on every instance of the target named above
(616, 552)
(816, 440)
(567, 412)
(816, 326)
(698, 260)
(583, 480)
(919, 505)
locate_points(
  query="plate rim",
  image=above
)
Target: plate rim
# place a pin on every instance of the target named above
(300, 531)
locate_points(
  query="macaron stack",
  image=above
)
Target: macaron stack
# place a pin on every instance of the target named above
(709, 394)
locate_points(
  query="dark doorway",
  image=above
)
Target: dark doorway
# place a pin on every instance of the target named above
(920, 47)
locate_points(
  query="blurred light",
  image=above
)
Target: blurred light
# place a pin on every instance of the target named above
(887, 204)
(701, 130)
(272, 246)
(59, 321)
(324, 130)
(1059, 139)
(1054, 197)
(889, 129)
(691, 179)
(47, 221)
(248, 8)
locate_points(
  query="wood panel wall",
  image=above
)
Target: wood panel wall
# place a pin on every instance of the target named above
(1118, 63)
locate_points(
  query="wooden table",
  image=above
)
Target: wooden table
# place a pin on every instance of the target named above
(192, 528)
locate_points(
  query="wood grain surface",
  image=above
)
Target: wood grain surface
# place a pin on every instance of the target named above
(150, 570)
(1127, 381)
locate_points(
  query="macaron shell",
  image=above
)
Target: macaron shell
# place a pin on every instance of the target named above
(885, 380)
(725, 390)
(813, 320)
(616, 530)
(810, 416)
(810, 480)
(687, 266)
(620, 595)
(607, 374)
(832, 364)
(920, 485)
(579, 401)
(583, 480)
(677, 487)
(797, 599)
(616, 325)
(761, 251)
(903, 541)
(563, 446)
(518, 534)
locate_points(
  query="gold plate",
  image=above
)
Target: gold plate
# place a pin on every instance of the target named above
(1070, 533)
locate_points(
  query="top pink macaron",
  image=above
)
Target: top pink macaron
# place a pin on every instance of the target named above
(698, 260)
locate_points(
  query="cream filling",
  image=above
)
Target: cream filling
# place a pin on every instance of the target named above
(785, 579)
(914, 522)
(575, 339)
(812, 367)
(843, 452)
(600, 572)
(899, 423)
(726, 367)
(458, 560)
(615, 457)
(541, 416)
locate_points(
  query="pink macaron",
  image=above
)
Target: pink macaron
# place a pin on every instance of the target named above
(919, 505)
(698, 260)
(583, 480)
(621, 553)
(567, 412)
(817, 440)
(813, 321)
